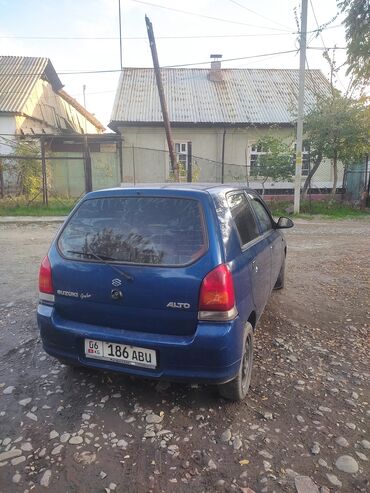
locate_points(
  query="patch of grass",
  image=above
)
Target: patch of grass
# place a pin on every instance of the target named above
(329, 209)
(21, 207)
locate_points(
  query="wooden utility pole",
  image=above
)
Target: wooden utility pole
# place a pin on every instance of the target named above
(166, 120)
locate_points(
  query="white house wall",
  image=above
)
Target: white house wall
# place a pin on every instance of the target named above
(7, 129)
(146, 147)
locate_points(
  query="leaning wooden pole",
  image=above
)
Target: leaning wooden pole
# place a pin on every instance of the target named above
(166, 120)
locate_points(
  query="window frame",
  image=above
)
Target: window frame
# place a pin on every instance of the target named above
(253, 196)
(243, 246)
(306, 158)
(121, 262)
(253, 168)
(170, 172)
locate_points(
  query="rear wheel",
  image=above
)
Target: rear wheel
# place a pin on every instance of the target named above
(281, 277)
(237, 389)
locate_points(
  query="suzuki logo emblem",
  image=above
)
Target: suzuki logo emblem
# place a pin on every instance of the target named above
(116, 282)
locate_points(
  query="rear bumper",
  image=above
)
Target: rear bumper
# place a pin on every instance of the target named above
(211, 355)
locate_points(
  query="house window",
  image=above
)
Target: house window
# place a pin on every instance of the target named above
(256, 151)
(181, 151)
(305, 158)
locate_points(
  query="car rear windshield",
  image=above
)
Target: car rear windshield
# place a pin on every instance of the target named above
(140, 230)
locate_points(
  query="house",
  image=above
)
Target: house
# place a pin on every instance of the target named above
(35, 110)
(32, 101)
(221, 112)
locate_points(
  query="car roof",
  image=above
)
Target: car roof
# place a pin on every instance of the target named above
(211, 188)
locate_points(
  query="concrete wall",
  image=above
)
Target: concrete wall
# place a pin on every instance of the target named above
(207, 147)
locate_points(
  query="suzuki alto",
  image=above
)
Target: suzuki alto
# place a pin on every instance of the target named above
(166, 282)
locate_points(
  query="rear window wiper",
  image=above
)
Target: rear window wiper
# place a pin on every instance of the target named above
(87, 254)
(104, 259)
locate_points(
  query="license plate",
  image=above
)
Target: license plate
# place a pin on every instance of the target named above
(122, 353)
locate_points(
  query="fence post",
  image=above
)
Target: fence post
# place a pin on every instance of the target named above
(190, 163)
(133, 164)
(120, 158)
(45, 198)
(223, 157)
(1, 179)
(87, 166)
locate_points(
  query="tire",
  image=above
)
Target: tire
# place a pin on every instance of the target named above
(280, 281)
(237, 389)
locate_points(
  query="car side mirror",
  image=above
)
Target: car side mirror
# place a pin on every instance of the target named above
(284, 222)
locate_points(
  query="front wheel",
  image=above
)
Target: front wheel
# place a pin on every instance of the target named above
(237, 389)
(281, 277)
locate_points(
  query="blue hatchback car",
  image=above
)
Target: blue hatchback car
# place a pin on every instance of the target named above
(163, 282)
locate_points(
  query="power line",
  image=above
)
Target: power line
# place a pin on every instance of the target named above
(234, 59)
(81, 72)
(143, 38)
(324, 46)
(317, 24)
(219, 19)
(164, 66)
(256, 13)
(322, 28)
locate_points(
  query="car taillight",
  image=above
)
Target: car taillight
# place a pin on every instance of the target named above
(217, 297)
(45, 279)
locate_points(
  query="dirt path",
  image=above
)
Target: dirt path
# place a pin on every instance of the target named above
(82, 431)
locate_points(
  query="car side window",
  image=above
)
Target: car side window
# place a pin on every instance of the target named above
(243, 217)
(262, 215)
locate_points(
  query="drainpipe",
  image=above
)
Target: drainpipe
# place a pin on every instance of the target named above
(223, 157)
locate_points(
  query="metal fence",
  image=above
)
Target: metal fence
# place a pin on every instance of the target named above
(36, 174)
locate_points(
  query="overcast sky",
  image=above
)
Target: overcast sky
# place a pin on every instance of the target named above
(256, 27)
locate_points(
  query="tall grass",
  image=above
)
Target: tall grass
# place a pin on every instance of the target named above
(328, 208)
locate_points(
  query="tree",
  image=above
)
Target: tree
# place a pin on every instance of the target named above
(357, 22)
(275, 162)
(337, 128)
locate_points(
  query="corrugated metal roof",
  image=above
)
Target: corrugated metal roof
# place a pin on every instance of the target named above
(244, 96)
(18, 75)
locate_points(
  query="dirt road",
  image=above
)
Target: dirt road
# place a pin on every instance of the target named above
(64, 430)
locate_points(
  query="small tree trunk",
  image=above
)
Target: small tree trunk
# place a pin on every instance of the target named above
(335, 177)
(263, 187)
(313, 170)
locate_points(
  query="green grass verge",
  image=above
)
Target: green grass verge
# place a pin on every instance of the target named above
(63, 206)
(328, 209)
(20, 207)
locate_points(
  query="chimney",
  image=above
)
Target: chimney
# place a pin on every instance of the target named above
(215, 73)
